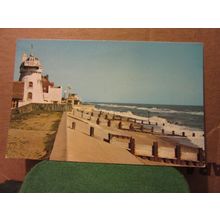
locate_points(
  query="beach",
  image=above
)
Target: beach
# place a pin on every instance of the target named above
(87, 134)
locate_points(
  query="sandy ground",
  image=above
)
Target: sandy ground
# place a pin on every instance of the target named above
(32, 135)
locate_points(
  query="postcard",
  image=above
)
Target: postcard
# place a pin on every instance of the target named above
(123, 102)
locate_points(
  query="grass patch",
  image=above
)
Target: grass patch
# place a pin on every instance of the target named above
(31, 135)
(36, 120)
(52, 176)
(50, 138)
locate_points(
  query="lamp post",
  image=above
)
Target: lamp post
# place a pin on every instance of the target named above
(65, 94)
(68, 90)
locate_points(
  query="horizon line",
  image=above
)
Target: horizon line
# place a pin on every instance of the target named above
(140, 103)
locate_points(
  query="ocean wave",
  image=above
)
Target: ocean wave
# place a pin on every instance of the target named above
(168, 127)
(164, 110)
(117, 106)
(152, 109)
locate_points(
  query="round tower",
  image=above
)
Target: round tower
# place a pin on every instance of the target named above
(29, 65)
(31, 75)
(37, 87)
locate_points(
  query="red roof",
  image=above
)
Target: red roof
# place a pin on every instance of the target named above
(18, 90)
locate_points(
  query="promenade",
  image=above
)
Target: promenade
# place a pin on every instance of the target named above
(77, 145)
(91, 136)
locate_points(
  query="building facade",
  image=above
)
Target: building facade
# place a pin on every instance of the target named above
(73, 99)
(37, 87)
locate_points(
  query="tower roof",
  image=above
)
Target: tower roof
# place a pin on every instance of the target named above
(30, 64)
(31, 61)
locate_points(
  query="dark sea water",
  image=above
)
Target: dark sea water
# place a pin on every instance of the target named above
(189, 116)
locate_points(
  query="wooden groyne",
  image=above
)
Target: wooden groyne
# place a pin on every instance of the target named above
(177, 154)
(144, 126)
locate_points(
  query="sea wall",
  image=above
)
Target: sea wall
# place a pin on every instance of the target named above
(42, 107)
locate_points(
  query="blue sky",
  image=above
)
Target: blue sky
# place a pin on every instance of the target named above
(122, 71)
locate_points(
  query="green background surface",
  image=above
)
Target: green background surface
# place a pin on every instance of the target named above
(53, 176)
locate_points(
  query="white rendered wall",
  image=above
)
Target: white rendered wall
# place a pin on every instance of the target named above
(36, 90)
(54, 95)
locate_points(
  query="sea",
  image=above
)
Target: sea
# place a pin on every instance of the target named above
(175, 117)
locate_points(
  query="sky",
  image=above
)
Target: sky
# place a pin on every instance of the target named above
(122, 71)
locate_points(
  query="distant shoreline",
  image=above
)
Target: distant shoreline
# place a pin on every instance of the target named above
(135, 103)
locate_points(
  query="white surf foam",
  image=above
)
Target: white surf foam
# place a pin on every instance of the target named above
(198, 140)
(153, 109)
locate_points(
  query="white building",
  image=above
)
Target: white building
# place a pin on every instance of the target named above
(73, 99)
(37, 87)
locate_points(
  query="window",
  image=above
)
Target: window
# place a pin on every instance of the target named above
(29, 96)
(30, 84)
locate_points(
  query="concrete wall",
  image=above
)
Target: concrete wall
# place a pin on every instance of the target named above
(43, 107)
